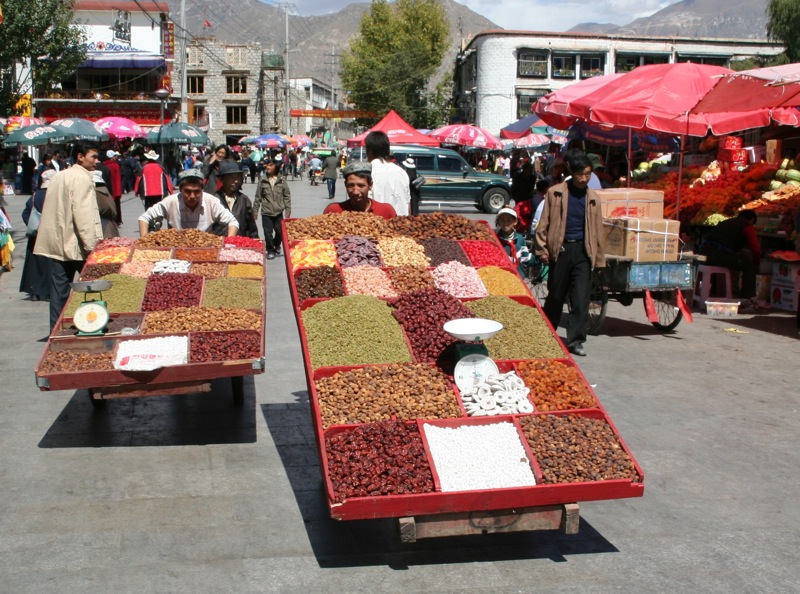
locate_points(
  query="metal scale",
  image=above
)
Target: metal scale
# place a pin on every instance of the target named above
(474, 363)
(91, 317)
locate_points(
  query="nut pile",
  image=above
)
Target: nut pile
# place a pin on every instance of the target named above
(399, 251)
(320, 282)
(312, 253)
(440, 224)
(224, 346)
(244, 242)
(232, 292)
(575, 449)
(501, 282)
(441, 250)
(137, 269)
(210, 269)
(372, 393)
(140, 255)
(337, 225)
(368, 280)
(354, 330)
(234, 254)
(485, 253)
(111, 255)
(354, 250)
(245, 271)
(555, 385)
(525, 332)
(95, 271)
(195, 254)
(459, 280)
(179, 238)
(124, 296)
(194, 319)
(422, 315)
(70, 361)
(384, 458)
(408, 279)
(169, 290)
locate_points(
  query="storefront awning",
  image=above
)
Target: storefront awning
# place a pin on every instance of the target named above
(122, 60)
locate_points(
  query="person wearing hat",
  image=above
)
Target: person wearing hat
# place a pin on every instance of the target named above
(112, 164)
(596, 183)
(211, 167)
(274, 201)
(513, 241)
(232, 198)
(569, 237)
(105, 205)
(358, 183)
(390, 182)
(153, 184)
(35, 279)
(415, 183)
(190, 208)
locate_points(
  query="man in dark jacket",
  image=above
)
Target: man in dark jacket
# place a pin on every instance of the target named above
(329, 174)
(273, 198)
(232, 198)
(734, 244)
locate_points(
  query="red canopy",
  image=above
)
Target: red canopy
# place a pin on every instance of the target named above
(398, 130)
(760, 88)
(554, 108)
(467, 135)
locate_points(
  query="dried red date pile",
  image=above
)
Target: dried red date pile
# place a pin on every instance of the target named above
(243, 242)
(68, 361)
(224, 346)
(408, 279)
(337, 225)
(441, 251)
(575, 449)
(172, 289)
(440, 224)
(485, 253)
(555, 385)
(320, 282)
(422, 315)
(95, 271)
(385, 458)
(354, 250)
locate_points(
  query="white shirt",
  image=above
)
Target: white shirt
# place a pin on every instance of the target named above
(207, 212)
(390, 185)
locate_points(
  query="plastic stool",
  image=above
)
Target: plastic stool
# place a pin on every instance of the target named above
(702, 286)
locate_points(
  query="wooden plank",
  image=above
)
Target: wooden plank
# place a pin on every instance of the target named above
(565, 517)
(109, 392)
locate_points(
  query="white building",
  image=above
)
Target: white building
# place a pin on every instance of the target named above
(500, 74)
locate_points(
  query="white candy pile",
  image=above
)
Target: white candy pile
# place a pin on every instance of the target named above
(479, 457)
(498, 394)
(229, 254)
(459, 280)
(163, 266)
(152, 353)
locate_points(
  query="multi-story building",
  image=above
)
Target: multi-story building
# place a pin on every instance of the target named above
(500, 74)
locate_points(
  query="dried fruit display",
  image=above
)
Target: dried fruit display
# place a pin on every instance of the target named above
(501, 282)
(337, 225)
(441, 250)
(211, 269)
(485, 253)
(124, 296)
(313, 253)
(459, 280)
(244, 242)
(111, 255)
(223, 346)
(354, 250)
(95, 271)
(179, 238)
(440, 224)
(68, 361)
(368, 280)
(197, 319)
(233, 292)
(319, 282)
(195, 254)
(172, 289)
(408, 279)
(143, 255)
(137, 269)
(400, 251)
(555, 385)
(245, 271)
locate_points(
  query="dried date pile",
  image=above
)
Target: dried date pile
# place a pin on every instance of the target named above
(555, 385)
(197, 319)
(409, 279)
(440, 224)
(70, 361)
(575, 449)
(337, 225)
(384, 458)
(319, 282)
(172, 289)
(441, 251)
(224, 346)
(95, 271)
(179, 238)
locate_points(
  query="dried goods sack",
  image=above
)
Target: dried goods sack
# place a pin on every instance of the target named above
(152, 353)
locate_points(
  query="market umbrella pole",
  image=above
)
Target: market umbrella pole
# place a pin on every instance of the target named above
(630, 157)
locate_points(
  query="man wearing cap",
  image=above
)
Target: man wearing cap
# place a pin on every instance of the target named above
(190, 208)
(70, 224)
(273, 200)
(115, 188)
(390, 181)
(358, 183)
(153, 183)
(232, 198)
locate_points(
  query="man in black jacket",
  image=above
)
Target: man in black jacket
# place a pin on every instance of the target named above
(232, 198)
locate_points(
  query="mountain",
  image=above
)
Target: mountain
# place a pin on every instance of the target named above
(744, 19)
(312, 39)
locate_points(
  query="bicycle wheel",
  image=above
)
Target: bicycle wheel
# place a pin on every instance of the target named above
(537, 277)
(669, 315)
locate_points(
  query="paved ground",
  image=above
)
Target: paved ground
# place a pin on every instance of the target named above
(189, 494)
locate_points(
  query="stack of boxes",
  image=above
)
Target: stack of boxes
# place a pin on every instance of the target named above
(731, 150)
(785, 285)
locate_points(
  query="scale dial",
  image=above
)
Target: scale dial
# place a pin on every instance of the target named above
(90, 317)
(472, 370)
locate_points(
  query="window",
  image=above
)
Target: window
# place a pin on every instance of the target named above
(236, 85)
(236, 55)
(704, 60)
(563, 66)
(450, 164)
(526, 99)
(656, 60)
(626, 63)
(194, 55)
(195, 85)
(197, 113)
(236, 114)
(592, 66)
(532, 63)
(424, 162)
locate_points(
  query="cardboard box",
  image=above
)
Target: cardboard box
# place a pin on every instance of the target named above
(629, 202)
(644, 240)
(784, 297)
(732, 155)
(730, 142)
(763, 287)
(786, 274)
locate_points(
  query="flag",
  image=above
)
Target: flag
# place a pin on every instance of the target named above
(206, 23)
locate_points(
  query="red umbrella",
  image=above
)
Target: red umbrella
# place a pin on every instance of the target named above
(760, 88)
(532, 140)
(119, 127)
(467, 135)
(16, 122)
(397, 129)
(554, 108)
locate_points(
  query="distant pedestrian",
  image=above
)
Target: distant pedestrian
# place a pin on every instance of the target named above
(154, 183)
(273, 200)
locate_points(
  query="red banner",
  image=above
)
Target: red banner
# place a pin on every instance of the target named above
(142, 115)
(331, 113)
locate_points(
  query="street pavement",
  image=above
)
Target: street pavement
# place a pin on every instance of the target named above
(192, 494)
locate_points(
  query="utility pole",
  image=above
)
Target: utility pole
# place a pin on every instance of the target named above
(332, 103)
(288, 90)
(184, 60)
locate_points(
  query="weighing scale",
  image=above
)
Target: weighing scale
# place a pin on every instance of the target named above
(474, 363)
(91, 317)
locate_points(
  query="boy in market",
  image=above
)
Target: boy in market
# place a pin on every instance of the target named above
(512, 240)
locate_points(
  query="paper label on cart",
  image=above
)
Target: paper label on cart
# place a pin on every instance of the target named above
(152, 353)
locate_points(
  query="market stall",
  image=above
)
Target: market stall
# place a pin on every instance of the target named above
(164, 314)
(411, 420)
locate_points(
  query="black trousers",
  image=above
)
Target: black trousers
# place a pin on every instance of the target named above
(61, 275)
(570, 278)
(741, 261)
(272, 231)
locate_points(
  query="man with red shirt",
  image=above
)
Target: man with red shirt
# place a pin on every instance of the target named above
(116, 181)
(358, 183)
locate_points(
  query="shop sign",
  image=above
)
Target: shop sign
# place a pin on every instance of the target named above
(168, 40)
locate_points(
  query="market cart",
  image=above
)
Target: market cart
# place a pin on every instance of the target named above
(144, 299)
(381, 372)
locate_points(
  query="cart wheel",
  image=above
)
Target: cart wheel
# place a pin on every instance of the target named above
(669, 316)
(97, 403)
(598, 305)
(237, 387)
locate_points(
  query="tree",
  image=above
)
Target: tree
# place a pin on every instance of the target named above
(784, 26)
(389, 65)
(38, 33)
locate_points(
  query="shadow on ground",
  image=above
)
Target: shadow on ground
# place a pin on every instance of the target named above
(190, 419)
(357, 543)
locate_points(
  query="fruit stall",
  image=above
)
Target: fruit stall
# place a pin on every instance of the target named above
(164, 314)
(413, 422)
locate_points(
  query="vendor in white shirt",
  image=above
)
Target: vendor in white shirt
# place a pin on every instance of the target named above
(389, 181)
(191, 208)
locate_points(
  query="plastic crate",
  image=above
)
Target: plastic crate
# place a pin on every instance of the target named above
(723, 307)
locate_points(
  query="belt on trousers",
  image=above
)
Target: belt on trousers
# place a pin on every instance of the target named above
(573, 241)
